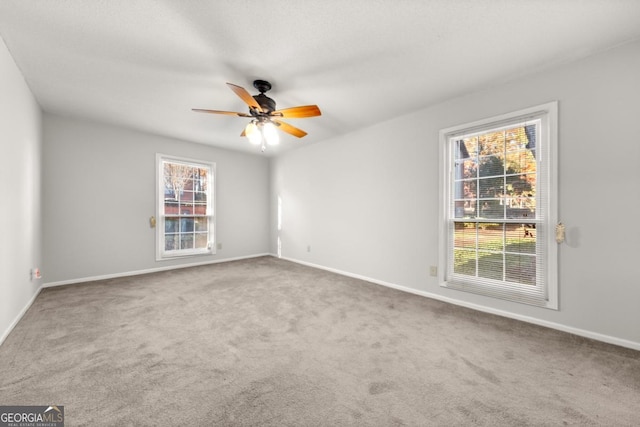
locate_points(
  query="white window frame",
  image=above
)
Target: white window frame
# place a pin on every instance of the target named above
(545, 293)
(161, 253)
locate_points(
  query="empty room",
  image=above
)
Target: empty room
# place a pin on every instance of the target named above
(336, 213)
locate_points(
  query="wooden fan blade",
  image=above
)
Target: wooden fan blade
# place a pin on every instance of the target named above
(245, 96)
(298, 112)
(228, 113)
(286, 127)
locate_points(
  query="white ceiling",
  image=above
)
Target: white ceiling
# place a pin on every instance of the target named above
(144, 64)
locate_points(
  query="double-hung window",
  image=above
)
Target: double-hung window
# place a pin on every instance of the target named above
(185, 223)
(499, 215)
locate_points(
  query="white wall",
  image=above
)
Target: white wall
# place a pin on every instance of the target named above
(100, 191)
(367, 203)
(20, 217)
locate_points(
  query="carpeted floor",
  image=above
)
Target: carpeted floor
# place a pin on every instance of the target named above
(266, 342)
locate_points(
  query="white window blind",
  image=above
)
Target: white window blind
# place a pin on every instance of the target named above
(498, 216)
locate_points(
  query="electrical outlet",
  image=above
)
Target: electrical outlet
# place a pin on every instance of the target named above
(309, 248)
(433, 271)
(219, 246)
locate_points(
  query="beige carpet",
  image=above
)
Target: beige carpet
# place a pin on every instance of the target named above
(265, 342)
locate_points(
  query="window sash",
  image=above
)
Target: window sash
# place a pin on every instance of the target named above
(482, 281)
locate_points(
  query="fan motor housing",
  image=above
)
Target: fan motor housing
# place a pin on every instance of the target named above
(267, 104)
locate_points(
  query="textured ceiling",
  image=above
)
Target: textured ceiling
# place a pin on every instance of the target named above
(144, 64)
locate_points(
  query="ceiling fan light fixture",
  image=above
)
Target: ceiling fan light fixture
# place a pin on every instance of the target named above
(270, 134)
(253, 133)
(266, 121)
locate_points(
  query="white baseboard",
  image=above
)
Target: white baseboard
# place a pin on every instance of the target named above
(19, 316)
(147, 271)
(552, 325)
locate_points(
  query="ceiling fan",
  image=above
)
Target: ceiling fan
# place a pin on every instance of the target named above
(265, 119)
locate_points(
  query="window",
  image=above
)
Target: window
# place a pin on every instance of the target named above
(499, 213)
(185, 207)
